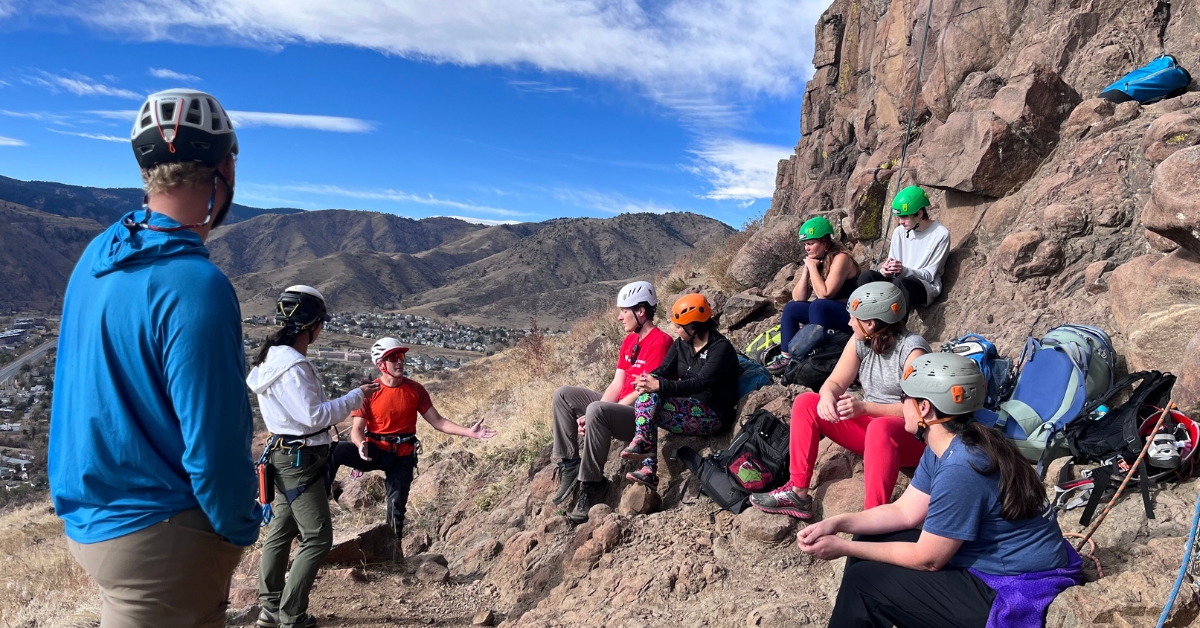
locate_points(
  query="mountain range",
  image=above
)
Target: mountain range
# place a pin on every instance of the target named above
(554, 271)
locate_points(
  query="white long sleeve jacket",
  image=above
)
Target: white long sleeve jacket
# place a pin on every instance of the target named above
(291, 397)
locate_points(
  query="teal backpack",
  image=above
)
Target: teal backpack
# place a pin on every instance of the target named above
(1057, 376)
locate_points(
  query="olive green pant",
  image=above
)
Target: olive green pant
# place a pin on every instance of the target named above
(282, 591)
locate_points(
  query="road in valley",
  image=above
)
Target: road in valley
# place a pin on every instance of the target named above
(8, 371)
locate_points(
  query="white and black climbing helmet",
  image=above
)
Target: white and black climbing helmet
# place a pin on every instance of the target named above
(180, 125)
(300, 308)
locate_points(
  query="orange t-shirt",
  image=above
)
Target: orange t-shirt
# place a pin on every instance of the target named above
(393, 410)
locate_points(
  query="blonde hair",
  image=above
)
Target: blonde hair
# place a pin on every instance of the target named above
(163, 177)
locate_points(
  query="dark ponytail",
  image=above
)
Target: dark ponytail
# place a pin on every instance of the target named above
(1022, 494)
(283, 336)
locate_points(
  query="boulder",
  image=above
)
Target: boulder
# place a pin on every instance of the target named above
(431, 572)
(1128, 598)
(638, 499)
(1153, 282)
(842, 496)
(1157, 340)
(1064, 219)
(1092, 116)
(779, 289)
(1026, 254)
(370, 544)
(766, 251)
(362, 492)
(241, 597)
(1187, 388)
(608, 535)
(1170, 133)
(416, 542)
(763, 527)
(741, 306)
(483, 617)
(434, 480)
(1175, 211)
(1093, 276)
(544, 483)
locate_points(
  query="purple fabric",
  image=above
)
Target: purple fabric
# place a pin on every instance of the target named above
(1022, 600)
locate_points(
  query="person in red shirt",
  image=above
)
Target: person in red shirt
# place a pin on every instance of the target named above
(384, 434)
(597, 418)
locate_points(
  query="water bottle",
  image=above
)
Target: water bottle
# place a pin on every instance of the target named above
(1099, 412)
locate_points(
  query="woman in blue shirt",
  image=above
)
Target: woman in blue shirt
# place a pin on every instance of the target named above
(990, 552)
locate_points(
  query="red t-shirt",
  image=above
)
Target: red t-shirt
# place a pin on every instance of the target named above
(393, 410)
(650, 354)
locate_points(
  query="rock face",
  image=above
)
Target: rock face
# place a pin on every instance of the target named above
(1174, 210)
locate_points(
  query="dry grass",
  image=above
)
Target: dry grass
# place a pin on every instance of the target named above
(720, 256)
(42, 584)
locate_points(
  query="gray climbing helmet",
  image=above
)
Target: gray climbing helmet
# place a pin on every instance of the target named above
(879, 300)
(951, 382)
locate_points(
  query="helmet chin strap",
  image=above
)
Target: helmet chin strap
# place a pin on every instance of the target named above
(212, 198)
(923, 426)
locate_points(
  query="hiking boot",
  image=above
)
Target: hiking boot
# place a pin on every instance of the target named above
(590, 494)
(308, 622)
(568, 475)
(639, 449)
(267, 619)
(778, 364)
(645, 476)
(784, 501)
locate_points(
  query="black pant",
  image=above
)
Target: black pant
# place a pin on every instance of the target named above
(914, 291)
(880, 595)
(397, 472)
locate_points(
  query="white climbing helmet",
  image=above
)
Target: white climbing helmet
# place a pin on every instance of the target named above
(635, 293)
(179, 125)
(384, 347)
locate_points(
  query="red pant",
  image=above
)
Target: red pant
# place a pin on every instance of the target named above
(881, 441)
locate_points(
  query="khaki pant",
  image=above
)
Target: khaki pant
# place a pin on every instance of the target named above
(174, 573)
(282, 591)
(605, 421)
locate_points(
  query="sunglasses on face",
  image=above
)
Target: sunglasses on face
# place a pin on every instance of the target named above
(395, 359)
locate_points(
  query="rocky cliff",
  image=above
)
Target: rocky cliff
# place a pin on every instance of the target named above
(1062, 207)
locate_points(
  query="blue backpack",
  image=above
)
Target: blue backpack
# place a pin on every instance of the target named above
(1161, 78)
(997, 371)
(1058, 375)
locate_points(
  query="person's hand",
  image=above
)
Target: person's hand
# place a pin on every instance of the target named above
(810, 533)
(827, 408)
(651, 384)
(362, 451)
(848, 407)
(812, 263)
(369, 388)
(826, 547)
(582, 421)
(481, 432)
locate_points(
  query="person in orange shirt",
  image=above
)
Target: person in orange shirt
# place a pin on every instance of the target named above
(384, 434)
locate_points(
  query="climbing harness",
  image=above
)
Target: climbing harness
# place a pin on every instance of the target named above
(912, 111)
(396, 440)
(268, 480)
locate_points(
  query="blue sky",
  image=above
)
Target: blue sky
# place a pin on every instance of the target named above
(491, 110)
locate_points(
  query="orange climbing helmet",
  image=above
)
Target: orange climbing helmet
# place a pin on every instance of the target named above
(691, 308)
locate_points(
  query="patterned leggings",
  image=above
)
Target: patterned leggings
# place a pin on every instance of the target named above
(678, 415)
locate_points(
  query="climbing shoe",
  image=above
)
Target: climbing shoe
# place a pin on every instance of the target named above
(590, 494)
(646, 476)
(784, 501)
(568, 475)
(640, 448)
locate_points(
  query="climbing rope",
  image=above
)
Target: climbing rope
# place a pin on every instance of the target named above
(1090, 553)
(1187, 559)
(1121, 489)
(912, 111)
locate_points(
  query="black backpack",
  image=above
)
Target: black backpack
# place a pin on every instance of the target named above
(813, 369)
(1113, 439)
(756, 461)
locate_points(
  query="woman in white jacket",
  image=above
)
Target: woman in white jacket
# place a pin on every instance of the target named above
(299, 417)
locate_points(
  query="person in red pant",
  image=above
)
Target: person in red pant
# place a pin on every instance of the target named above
(872, 427)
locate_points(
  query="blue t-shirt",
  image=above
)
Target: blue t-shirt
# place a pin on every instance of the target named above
(965, 505)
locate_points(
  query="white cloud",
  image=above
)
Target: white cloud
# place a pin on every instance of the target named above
(388, 195)
(80, 86)
(249, 119)
(172, 75)
(93, 136)
(540, 87)
(9, 141)
(677, 51)
(40, 116)
(480, 221)
(611, 202)
(739, 170)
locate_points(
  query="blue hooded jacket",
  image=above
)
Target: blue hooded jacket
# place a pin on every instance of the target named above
(150, 414)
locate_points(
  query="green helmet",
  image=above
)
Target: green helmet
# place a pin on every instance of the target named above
(909, 201)
(815, 229)
(878, 300)
(951, 382)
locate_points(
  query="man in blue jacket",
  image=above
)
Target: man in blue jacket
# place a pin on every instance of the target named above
(150, 464)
